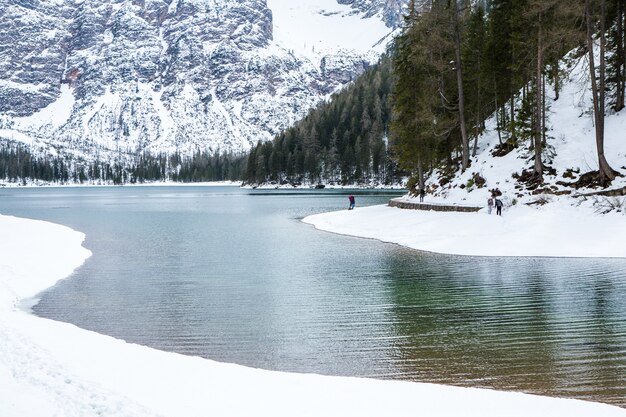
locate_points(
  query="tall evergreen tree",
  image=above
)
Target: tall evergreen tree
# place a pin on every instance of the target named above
(595, 19)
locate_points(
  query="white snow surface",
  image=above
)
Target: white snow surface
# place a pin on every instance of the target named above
(314, 28)
(54, 115)
(557, 230)
(49, 368)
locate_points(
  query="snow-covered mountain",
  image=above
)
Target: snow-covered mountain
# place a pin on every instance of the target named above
(389, 10)
(109, 77)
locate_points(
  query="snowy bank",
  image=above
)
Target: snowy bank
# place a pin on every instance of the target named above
(51, 368)
(556, 230)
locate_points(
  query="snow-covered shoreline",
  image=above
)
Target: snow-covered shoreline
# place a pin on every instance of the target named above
(52, 368)
(555, 230)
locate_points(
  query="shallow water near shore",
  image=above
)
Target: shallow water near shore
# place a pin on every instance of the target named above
(233, 275)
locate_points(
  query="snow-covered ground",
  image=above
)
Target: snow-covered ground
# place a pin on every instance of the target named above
(308, 186)
(49, 368)
(314, 28)
(555, 230)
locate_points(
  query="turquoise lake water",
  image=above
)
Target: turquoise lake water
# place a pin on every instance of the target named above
(233, 275)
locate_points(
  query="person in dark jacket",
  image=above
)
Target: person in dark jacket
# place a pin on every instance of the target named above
(422, 194)
(499, 207)
(352, 202)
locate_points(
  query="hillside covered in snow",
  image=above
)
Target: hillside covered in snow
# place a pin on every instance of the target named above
(570, 157)
(116, 77)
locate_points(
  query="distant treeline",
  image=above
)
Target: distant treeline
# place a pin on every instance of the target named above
(19, 164)
(343, 140)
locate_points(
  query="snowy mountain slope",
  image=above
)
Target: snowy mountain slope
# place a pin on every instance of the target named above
(389, 10)
(317, 28)
(112, 77)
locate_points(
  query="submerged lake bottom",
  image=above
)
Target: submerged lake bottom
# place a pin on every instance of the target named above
(233, 275)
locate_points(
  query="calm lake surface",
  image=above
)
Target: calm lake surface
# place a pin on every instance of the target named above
(233, 275)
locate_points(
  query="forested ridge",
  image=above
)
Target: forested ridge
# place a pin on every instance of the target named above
(342, 141)
(456, 64)
(18, 164)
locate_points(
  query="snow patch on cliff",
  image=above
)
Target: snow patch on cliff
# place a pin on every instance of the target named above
(314, 28)
(54, 115)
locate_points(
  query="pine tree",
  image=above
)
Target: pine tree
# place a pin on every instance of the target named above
(595, 19)
(616, 63)
(456, 28)
(475, 60)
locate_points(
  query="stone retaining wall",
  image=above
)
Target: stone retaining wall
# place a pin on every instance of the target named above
(434, 207)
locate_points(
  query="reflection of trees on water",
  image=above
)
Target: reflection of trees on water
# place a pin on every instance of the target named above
(547, 326)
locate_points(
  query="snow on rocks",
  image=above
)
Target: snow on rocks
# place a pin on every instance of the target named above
(114, 77)
(52, 368)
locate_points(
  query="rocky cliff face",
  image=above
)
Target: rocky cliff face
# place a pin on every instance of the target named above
(389, 10)
(115, 77)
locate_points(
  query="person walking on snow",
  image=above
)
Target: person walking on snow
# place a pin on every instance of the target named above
(352, 202)
(499, 207)
(489, 205)
(422, 194)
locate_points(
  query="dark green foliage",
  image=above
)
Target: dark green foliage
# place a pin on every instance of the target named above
(206, 167)
(510, 51)
(616, 69)
(427, 126)
(340, 141)
(17, 164)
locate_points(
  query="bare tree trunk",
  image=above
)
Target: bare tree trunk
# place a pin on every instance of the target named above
(459, 80)
(420, 174)
(503, 119)
(621, 57)
(557, 80)
(602, 86)
(479, 121)
(539, 101)
(498, 123)
(477, 128)
(513, 137)
(622, 6)
(597, 91)
(476, 134)
(543, 110)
